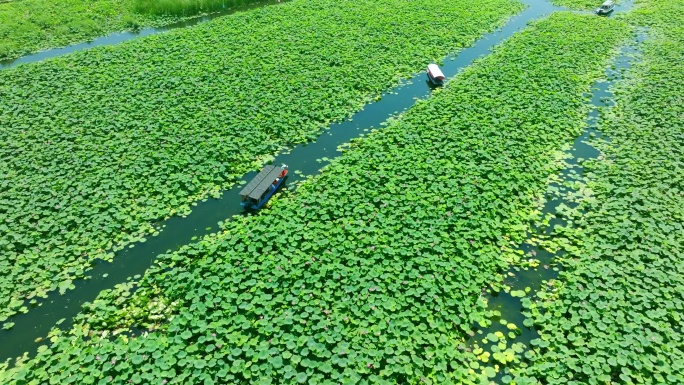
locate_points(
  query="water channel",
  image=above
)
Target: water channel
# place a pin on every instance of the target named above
(205, 216)
(120, 37)
(531, 280)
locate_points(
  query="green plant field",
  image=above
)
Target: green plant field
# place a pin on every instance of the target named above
(98, 144)
(615, 314)
(589, 5)
(28, 26)
(183, 7)
(372, 271)
(32, 25)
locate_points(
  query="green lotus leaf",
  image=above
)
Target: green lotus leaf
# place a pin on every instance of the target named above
(518, 293)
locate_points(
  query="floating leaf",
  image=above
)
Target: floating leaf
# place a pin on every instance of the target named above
(518, 293)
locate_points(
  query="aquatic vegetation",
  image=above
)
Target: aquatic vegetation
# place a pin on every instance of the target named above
(183, 7)
(587, 5)
(615, 313)
(98, 144)
(29, 26)
(32, 25)
(374, 269)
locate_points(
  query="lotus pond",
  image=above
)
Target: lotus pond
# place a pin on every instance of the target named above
(304, 159)
(28, 26)
(99, 144)
(378, 276)
(587, 5)
(615, 314)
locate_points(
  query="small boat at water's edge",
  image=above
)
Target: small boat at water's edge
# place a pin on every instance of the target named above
(605, 8)
(263, 186)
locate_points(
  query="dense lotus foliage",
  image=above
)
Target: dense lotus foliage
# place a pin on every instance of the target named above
(31, 25)
(615, 314)
(373, 271)
(96, 145)
(185, 7)
(28, 26)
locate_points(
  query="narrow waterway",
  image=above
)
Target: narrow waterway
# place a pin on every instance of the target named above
(303, 160)
(120, 37)
(531, 280)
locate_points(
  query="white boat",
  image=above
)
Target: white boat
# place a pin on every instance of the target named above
(435, 74)
(605, 8)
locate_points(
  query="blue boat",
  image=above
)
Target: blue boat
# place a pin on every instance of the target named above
(263, 186)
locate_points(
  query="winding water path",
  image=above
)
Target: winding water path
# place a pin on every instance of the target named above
(120, 37)
(533, 279)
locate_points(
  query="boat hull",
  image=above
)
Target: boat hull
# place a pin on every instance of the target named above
(602, 12)
(435, 81)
